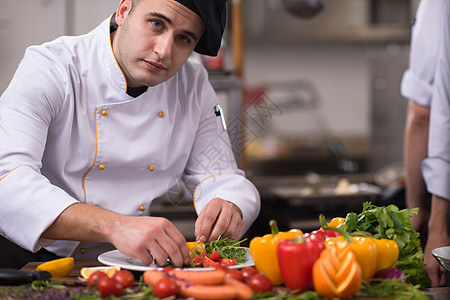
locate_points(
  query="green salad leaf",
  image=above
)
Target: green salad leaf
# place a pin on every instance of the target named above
(392, 223)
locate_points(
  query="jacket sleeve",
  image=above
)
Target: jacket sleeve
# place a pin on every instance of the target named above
(417, 81)
(27, 198)
(436, 167)
(212, 171)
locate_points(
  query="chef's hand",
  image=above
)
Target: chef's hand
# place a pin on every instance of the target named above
(219, 218)
(434, 270)
(437, 237)
(151, 239)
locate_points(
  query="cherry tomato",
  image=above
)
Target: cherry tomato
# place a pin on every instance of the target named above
(164, 288)
(248, 272)
(94, 278)
(214, 255)
(235, 274)
(124, 277)
(198, 261)
(107, 287)
(227, 262)
(209, 263)
(260, 283)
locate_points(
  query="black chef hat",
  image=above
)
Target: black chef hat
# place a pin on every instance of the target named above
(214, 14)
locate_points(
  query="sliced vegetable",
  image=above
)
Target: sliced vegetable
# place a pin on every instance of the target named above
(60, 267)
(337, 274)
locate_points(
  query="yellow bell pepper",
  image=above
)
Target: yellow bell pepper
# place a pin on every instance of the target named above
(365, 250)
(264, 251)
(388, 252)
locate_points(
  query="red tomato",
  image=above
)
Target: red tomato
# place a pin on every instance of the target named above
(198, 261)
(227, 262)
(124, 277)
(107, 287)
(214, 255)
(235, 274)
(94, 278)
(209, 263)
(165, 287)
(248, 272)
(260, 283)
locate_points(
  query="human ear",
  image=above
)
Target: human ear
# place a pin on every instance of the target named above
(122, 11)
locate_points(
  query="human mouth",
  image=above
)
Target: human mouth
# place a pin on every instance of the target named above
(154, 66)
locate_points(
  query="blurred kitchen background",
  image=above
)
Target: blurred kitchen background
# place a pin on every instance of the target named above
(313, 105)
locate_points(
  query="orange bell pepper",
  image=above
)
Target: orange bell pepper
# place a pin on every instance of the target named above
(264, 251)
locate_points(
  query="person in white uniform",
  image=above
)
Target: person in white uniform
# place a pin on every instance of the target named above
(417, 86)
(94, 127)
(436, 167)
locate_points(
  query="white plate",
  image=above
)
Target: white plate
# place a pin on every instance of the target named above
(116, 258)
(442, 255)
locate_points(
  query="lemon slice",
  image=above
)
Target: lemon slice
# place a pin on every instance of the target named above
(195, 248)
(87, 271)
(59, 267)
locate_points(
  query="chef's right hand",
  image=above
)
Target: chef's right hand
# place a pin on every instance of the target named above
(150, 239)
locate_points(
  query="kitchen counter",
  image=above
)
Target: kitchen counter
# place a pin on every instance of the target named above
(73, 281)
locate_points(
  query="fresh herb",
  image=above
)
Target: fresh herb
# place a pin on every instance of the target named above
(391, 288)
(392, 223)
(45, 284)
(289, 295)
(228, 248)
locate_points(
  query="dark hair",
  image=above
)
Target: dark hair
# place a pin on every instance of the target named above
(134, 3)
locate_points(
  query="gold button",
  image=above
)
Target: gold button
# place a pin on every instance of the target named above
(101, 166)
(104, 112)
(82, 251)
(142, 208)
(151, 168)
(161, 114)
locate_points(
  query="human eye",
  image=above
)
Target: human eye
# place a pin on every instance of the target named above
(184, 38)
(157, 24)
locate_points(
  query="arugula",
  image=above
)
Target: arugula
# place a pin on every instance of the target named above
(228, 248)
(392, 223)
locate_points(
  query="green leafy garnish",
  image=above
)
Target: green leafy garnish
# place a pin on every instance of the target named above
(392, 223)
(391, 288)
(228, 248)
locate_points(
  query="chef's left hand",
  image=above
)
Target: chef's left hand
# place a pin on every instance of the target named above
(219, 218)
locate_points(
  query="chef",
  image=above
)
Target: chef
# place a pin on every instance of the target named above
(93, 128)
(418, 85)
(436, 167)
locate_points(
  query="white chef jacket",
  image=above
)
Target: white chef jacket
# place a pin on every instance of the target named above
(436, 167)
(69, 133)
(417, 81)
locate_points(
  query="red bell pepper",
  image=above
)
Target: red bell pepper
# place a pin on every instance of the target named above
(296, 258)
(322, 234)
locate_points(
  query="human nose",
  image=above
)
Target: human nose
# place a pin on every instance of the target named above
(163, 46)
